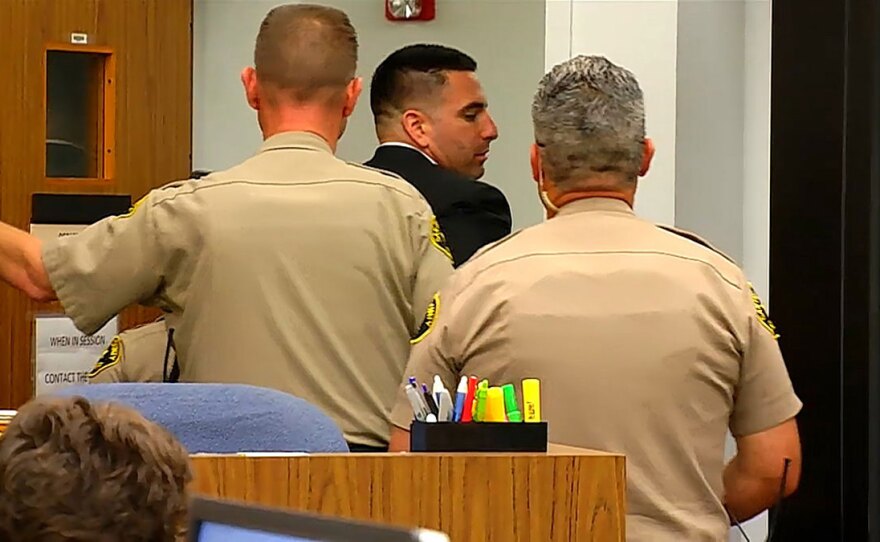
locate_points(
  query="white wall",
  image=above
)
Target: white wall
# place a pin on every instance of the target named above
(756, 145)
(723, 129)
(225, 130)
(709, 122)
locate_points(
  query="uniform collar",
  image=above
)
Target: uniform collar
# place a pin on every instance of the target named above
(296, 140)
(596, 204)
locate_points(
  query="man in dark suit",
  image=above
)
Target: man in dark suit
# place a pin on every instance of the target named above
(434, 130)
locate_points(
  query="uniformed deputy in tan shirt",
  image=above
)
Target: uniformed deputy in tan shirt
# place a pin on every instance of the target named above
(646, 341)
(293, 270)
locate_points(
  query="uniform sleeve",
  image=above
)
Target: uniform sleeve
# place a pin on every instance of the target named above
(433, 264)
(465, 334)
(111, 264)
(764, 396)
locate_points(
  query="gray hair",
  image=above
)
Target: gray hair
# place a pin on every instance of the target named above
(589, 118)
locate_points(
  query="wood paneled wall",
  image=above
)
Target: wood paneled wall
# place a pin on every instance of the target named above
(152, 44)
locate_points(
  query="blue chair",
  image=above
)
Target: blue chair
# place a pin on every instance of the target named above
(225, 418)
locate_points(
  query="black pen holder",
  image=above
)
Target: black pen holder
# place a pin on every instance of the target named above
(478, 437)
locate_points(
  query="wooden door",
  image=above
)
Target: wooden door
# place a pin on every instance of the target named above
(151, 46)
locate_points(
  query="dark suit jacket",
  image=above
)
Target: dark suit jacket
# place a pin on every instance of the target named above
(471, 213)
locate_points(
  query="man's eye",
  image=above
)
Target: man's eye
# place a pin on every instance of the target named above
(470, 117)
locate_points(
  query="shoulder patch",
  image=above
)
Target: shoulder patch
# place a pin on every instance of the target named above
(438, 238)
(761, 311)
(430, 319)
(696, 239)
(113, 355)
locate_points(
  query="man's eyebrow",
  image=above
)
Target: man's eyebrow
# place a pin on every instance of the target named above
(474, 106)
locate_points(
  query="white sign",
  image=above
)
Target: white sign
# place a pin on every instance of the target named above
(64, 356)
(47, 232)
(79, 38)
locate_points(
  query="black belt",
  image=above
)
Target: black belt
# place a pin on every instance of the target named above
(364, 449)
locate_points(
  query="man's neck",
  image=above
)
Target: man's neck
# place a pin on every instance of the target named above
(302, 119)
(600, 185)
(403, 142)
(559, 200)
(569, 197)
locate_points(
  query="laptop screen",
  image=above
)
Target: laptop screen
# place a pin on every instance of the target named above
(219, 521)
(217, 532)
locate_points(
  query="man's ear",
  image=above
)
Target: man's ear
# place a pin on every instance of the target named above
(352, 93)
(535, 161)
(647, 157)
(417, 126)
(251, 87)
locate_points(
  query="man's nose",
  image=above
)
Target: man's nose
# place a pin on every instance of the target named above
(490, 132)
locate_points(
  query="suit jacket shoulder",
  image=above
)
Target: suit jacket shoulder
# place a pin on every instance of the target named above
(471, 213)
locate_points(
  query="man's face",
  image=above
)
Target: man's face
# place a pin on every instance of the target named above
(459, 129)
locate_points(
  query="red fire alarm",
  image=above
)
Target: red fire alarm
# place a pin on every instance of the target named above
(410, 10)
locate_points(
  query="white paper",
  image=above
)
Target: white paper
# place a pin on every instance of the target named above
(64, 356)
(47, 232)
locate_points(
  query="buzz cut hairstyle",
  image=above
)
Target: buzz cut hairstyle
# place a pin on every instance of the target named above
(305, 49)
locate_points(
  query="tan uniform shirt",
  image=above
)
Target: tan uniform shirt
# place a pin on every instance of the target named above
(646, 343)
(135, 355)
(293, 270)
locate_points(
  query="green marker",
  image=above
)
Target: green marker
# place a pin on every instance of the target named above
(480, 401)
(510, 406)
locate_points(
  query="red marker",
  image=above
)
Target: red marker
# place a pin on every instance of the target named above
(468, 410)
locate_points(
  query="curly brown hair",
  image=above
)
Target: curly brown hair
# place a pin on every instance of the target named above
(72, 471)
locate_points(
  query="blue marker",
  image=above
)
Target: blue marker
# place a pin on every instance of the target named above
(460, 395)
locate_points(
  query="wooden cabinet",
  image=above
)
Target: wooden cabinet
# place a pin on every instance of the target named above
(150, 128)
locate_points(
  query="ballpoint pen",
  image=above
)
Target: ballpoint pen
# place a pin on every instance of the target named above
(420, 411)
(429, 399)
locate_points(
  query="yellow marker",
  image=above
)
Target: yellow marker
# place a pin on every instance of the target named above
(531, 388)
(495, 405)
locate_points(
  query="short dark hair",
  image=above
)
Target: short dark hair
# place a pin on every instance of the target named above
(72, 471)
(303, 48)
(415, 70)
